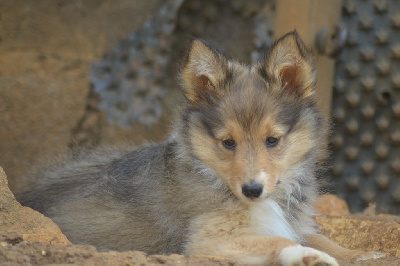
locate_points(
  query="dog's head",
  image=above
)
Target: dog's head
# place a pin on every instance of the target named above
(252, 125)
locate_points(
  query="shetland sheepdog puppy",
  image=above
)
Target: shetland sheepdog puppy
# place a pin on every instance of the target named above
(237, 177)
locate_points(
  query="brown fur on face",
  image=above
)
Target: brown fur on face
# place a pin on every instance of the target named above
(249, 105)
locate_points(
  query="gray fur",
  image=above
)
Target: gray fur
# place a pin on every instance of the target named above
(113, 200)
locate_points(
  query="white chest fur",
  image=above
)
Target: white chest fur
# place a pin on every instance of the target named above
(267, 218)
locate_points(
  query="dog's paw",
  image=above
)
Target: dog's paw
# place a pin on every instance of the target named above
(371, 256)
(305, 256)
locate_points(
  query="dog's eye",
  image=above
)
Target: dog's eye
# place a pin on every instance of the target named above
(229, 144)
(272, 142)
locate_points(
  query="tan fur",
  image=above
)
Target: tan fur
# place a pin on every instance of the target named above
(250, 159)
(323, 243)
(229, 232)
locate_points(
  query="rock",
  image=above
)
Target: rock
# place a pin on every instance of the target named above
(27, 253)
(329, 204)
(18, 222)
(362, 233)
(42, 254)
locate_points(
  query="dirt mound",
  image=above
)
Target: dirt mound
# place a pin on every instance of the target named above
(18, 222)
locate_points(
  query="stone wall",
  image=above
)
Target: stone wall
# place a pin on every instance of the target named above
(46, 50)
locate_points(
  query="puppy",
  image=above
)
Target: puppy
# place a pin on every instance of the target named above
(237, 177)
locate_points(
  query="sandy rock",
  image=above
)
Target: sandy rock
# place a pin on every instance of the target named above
(18, 222)
(362, 233)
(329, 204)
(26, 253)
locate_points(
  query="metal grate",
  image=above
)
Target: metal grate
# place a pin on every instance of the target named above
(129, 79)
(366, 107)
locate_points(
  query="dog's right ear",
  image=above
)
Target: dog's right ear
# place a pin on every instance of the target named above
(203, 73)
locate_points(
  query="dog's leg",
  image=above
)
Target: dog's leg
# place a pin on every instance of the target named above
(231, 234)
(323, 243)
(253, 249)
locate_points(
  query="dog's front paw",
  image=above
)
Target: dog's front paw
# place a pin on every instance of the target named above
(305, 256)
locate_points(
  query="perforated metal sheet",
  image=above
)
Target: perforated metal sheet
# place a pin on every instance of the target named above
(366, 107)
(129, 78)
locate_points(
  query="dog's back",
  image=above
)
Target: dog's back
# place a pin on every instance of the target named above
(137, 199)
(104, 199)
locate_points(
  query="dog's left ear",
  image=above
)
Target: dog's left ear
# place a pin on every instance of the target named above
(203, 73)
(290, 63)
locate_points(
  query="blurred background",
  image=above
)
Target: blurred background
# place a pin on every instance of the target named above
(80, 73)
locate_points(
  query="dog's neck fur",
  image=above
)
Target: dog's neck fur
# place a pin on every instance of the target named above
(268, 218)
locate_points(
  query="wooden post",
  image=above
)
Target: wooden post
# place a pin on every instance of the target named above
(308, 17)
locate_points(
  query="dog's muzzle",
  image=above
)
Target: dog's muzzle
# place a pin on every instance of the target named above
(252, 191)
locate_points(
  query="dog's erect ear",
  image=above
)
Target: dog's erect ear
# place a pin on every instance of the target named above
(290, 63)
(203, 72)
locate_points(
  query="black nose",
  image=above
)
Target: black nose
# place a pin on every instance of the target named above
(252, 191)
